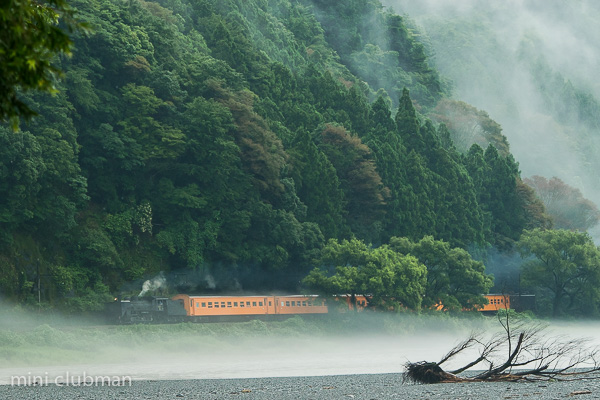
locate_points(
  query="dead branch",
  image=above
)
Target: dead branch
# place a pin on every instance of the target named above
(522, 351)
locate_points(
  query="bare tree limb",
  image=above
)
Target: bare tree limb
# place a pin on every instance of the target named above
(522, 352)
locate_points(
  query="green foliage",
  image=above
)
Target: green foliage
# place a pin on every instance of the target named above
(318, 186)
(359, 180)
(454, 279)
(508, 207)
(392, 60)
(235, 138)
(395, 281)
(21, 166)
(563, 267)
(408, 125)
(30, 40)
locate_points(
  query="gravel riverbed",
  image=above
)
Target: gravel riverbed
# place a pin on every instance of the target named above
(377, 386)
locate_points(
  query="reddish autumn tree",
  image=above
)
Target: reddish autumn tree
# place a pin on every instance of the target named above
(359, 179)
(262, 152)
(468, 125)
(533, 208)
(565, 204)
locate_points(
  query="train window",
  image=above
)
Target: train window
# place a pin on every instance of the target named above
(260, 304)
(191, 303)
(287, 303)
(235, 304)
(253, 304)
(228, 304)
(303, 304)
(293, 304)
(216, 304)
(270, 303)
(241, 304)
(248, 303)
(222, 304)
(197, 304)
(204, 305)
(210, 304)
(282, 304)
(310, 303)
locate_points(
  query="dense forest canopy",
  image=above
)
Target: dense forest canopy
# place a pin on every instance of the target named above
(274, 145)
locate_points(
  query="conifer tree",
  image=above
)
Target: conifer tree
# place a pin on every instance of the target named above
(318, 186)
(408, 124)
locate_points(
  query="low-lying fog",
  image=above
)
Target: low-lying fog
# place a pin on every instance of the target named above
(349, 345)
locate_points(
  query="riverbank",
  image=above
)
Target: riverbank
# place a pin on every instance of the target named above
(375, 386)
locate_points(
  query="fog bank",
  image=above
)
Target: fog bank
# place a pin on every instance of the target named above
(532, 66)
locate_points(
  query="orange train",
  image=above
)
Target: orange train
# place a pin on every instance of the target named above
(183, 307)
(495, 302)
(221, 306)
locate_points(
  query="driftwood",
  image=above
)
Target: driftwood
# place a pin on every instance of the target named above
(521, 351)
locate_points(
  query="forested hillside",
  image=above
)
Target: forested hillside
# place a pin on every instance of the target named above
(531, 65)
(240, 144)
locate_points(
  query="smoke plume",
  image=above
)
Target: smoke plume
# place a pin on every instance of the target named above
(158, 282)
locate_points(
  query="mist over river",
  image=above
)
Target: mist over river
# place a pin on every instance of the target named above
(293, 348)
(363, 353)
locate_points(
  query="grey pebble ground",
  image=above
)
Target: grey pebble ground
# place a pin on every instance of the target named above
(384, 386)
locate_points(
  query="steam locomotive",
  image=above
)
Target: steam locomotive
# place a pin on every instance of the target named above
(186, 308)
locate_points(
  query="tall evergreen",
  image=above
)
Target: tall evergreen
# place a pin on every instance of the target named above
(318, 186)
(390, 156)
(408, 124)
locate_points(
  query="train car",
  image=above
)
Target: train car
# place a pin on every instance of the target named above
(298, 304)
(222, 308)
(496, 302)
(183, 307)
(357, 302)
(225, 308)
(522, 302)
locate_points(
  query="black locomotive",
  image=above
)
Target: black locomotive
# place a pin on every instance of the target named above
(140, 310)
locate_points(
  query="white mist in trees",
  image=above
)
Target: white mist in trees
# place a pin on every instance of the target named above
(532, 66)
